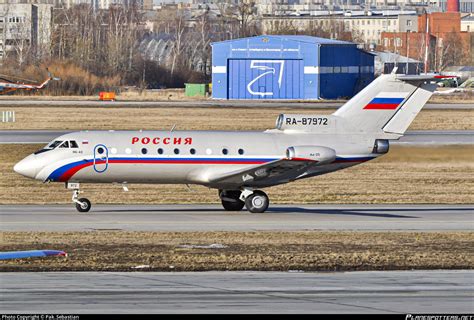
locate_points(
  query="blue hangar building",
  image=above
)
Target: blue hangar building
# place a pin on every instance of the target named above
(289, 67)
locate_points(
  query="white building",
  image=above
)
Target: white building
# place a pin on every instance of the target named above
(367, 28)
(370, 28)
(102, 4)
(467, 23)
(25, 29)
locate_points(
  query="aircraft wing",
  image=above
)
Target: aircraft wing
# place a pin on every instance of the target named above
(267, 174)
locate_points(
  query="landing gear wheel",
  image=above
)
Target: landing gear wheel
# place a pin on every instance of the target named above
(84, 205)
(257, 202)
(231, 200)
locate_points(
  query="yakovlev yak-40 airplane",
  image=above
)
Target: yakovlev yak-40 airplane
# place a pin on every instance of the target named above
(238, 163)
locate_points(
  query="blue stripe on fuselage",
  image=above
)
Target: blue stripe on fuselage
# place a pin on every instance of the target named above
(57, 174)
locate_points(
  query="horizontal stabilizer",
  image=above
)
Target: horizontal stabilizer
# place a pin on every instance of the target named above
(405, 115)
(389, 104)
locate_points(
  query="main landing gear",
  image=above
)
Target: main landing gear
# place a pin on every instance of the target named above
(82, 204)
(255, 201)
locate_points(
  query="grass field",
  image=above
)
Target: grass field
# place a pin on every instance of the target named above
(209, 118)
(404, 175)
(282, 251)
(177, 94)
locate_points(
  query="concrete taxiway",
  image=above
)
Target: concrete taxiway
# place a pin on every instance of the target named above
(214, 218)
(403, 292)
(422, 137)
(205, 103)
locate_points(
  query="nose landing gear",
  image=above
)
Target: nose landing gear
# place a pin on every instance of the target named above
(82, 204)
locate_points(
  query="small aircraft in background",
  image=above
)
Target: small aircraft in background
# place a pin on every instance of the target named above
(236, 163)
(8, 86)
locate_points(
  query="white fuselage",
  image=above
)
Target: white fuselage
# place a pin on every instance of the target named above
(301, 146)
(188, 157)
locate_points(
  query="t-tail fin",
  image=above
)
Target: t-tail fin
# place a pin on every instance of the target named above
(50, 77)
(389, 104)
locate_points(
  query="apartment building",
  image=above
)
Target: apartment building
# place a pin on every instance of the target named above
(25, 27)
(364, 28)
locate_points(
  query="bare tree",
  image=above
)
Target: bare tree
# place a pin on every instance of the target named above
(246, 13)
(285, 26)
(20, 39)
(178, 46)
(104, 41)
(314, 27)
(204, 28)
(451, 51)
(227, 26)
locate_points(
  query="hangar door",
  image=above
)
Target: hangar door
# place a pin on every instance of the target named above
(265, 79)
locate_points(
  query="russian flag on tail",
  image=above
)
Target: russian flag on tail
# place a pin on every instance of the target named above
(384, 103)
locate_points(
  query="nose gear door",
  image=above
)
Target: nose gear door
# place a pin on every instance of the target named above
(101, 158)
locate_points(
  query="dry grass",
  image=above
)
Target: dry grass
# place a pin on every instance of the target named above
(208, 118)
(310, 251)
(177, 94)
(404, 175)
(466, 96)
(157, 95)
(146, 95)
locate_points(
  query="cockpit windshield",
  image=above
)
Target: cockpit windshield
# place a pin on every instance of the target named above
(59, 144)
(53, 145)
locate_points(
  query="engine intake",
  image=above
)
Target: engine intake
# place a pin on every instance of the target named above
(322, 155)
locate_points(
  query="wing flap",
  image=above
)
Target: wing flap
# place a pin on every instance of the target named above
(261, 173)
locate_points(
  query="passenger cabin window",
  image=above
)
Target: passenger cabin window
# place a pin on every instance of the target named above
(73, 144)
(160, 151)
(241, 151)
(144, 151)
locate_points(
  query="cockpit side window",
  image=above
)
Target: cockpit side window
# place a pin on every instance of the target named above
(64, 145)
(73, 144)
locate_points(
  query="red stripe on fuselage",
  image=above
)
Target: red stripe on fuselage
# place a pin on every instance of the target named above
(69, 173)
(174, 161)
(302, 159)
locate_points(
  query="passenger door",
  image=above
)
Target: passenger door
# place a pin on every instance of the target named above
(101, 158)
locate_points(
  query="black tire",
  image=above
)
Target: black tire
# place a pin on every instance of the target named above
(233, 206)
(231, 200)
(257, 202)
(86, 205)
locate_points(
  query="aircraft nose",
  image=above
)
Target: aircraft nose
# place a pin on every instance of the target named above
(27, 167)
